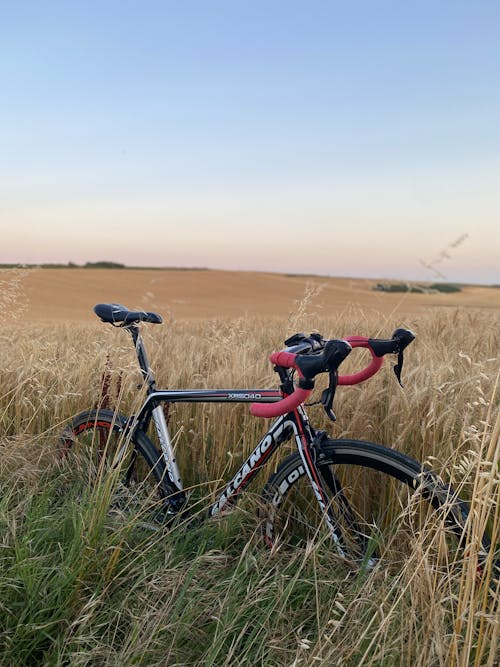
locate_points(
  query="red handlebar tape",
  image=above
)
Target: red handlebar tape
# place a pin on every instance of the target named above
(285, 359)
(299, 396)
(365, 373)
(289, 403)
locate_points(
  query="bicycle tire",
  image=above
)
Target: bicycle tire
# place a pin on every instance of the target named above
(93, 440)
(386, 491)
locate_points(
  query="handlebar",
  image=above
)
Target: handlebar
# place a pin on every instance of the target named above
(378, 347)
(329, 359)
(307, 366)
(373, 367)
(287, 404)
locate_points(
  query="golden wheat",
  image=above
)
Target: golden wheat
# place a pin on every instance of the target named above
(447, 415)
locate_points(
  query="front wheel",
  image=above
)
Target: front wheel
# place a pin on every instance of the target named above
(382, 504)
(98, 444)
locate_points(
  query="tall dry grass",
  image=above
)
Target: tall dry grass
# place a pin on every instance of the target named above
(77, 590)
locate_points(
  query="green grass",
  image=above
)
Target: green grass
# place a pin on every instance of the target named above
(81, 587)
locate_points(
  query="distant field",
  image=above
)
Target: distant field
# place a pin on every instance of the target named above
(69, 294)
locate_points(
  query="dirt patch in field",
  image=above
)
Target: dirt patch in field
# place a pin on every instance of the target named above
(70, 294)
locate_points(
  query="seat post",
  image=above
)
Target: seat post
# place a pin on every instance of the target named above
(142, 356)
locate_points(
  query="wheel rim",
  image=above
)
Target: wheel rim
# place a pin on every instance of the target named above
(392, 521)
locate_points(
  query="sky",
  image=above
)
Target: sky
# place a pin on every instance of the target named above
(340, 138)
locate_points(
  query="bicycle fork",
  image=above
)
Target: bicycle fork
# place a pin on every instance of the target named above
(328, 491)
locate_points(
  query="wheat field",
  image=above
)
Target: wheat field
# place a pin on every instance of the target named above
(55, 295)
(78, 589)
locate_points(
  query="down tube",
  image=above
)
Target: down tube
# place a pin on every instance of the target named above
(280, 431)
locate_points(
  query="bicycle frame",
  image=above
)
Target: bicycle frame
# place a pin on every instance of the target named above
(152, 410)
(295, 423)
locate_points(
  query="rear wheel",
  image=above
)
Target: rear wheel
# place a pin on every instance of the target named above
(383, 505)
(98, 446)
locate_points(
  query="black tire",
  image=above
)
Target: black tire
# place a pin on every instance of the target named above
(390, 498)
(91, 443)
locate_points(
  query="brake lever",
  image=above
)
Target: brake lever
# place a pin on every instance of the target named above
(328, 395)
(404, 337)
(398, 368)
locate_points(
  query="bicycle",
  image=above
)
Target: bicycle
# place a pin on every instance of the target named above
(313, 491)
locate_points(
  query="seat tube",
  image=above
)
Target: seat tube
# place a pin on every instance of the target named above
(166, 445)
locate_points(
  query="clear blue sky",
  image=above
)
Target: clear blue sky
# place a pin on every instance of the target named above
(343, 138)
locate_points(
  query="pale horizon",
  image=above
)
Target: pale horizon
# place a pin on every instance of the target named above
(328, 139)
